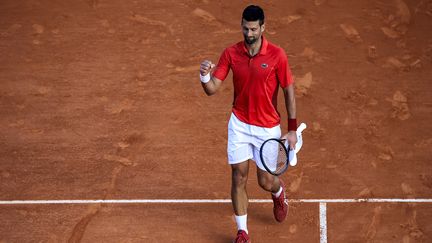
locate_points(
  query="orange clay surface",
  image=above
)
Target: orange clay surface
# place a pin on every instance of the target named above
(101, 100)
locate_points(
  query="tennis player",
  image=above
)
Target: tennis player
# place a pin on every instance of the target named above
(259, 68)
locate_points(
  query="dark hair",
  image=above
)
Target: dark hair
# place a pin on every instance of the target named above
(253, 13)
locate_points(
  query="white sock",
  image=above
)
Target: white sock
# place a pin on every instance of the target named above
(241, 222)
(277, 194)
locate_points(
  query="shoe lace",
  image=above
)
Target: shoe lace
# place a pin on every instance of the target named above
(240, 238)
(280, 200)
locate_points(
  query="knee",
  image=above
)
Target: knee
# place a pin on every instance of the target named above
(239, 178)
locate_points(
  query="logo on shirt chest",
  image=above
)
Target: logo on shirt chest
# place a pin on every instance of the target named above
(264, 65)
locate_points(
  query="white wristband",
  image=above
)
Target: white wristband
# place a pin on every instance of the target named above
(205, 79)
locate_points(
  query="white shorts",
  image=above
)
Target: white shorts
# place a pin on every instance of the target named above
(244, 141)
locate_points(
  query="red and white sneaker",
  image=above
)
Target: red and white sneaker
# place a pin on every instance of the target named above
(280, 205)
(242, 237)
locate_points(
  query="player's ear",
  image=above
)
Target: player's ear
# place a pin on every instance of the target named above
(262, 27)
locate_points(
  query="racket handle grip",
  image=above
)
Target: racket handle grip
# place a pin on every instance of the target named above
(301, 127)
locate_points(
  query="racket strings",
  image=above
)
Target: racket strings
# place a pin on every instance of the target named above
(275, 156)
(282, 159)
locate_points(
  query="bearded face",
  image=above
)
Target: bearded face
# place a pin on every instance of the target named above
(252, 31)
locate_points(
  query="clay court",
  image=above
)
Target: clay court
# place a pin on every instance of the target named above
(107, 136)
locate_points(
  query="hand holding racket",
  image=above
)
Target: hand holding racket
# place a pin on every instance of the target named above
(293, 153)
(276, 156)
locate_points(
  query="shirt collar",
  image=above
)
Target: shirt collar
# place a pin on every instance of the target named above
(263, 49)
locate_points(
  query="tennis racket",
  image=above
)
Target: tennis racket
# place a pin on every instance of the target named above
(276, 156)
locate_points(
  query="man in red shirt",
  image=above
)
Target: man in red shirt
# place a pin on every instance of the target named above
(259, 68)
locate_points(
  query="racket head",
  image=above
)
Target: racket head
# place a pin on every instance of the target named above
(274, 156)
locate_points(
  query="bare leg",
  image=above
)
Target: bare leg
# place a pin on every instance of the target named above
(268, 181)
(273, 184)
(239, 195)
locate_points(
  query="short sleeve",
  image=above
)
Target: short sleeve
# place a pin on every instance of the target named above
(283, 71)
(223, 66)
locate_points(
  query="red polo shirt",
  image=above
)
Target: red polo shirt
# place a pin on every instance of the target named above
(256, 80)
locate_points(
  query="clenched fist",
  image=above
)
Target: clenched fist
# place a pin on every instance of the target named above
(206, 67)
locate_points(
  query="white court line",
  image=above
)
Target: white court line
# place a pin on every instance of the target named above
(186, 201)
(322, 204)
(323, 222)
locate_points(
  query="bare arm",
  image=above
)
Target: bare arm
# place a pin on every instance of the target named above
(290, 101)
(290, 104)
(212, 86)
